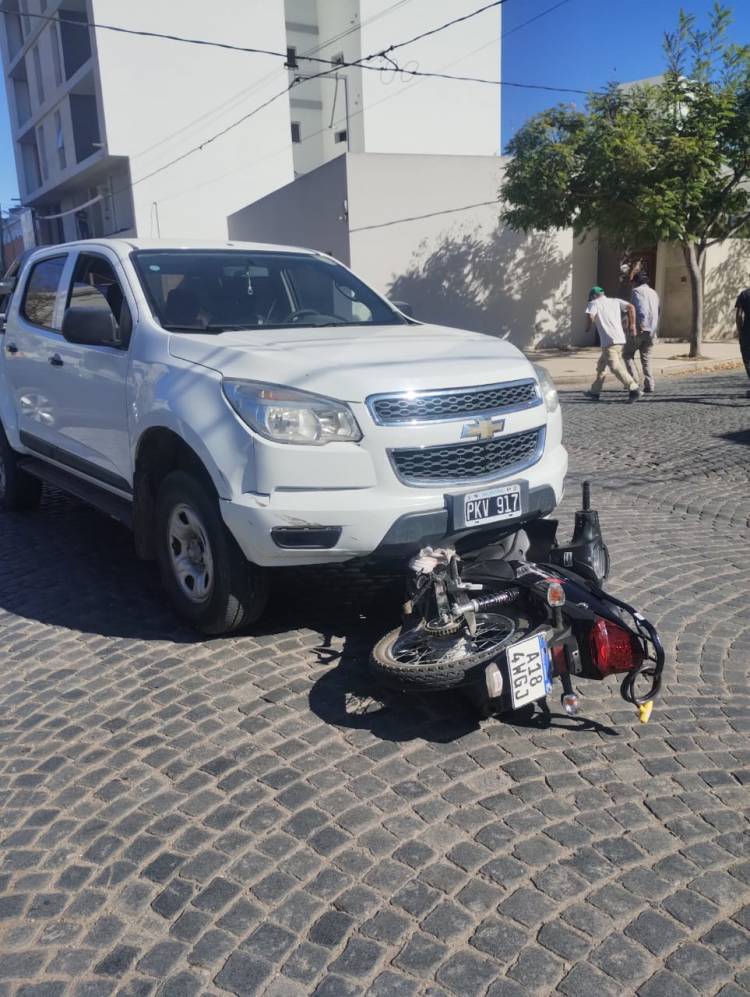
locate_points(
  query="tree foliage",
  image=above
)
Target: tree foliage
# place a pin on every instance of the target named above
(663, 161)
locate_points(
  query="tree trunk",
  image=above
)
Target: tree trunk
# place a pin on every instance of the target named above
(694, 261)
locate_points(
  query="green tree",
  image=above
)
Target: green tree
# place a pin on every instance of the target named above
(669, 161)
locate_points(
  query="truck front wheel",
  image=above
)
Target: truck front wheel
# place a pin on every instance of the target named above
(208, 579)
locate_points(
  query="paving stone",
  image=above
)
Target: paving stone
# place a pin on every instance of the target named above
(465, 973)
(655, 932)
(699, 965)
(242, 974)
(664, 984)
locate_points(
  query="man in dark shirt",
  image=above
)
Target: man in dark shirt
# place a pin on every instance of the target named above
(742, 313)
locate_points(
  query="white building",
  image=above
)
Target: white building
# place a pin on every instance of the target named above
(364, 110)
(101, 120)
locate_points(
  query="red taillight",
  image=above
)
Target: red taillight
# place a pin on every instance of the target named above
(613, 648)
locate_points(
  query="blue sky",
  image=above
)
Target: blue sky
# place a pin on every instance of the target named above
(583, 44)
(587, 43)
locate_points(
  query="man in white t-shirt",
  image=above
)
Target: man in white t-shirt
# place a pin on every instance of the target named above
(606, 314)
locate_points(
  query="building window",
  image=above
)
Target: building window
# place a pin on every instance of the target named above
(38, 75)
(291, 57)
(340, 136)
(60, 141)
(296, 132)
(54, 39)
(42, 147)
(24, 17)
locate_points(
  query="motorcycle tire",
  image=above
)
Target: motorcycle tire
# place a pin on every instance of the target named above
(449, 673)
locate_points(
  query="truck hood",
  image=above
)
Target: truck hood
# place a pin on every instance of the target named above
(351, 363)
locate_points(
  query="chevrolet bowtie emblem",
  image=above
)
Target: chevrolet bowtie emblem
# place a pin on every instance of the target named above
(482, 429)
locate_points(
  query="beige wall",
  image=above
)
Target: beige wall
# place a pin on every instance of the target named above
(726, 273)
(414, 238)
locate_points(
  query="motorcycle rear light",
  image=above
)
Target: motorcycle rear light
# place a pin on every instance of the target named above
(558, 658)
(613, 648)
(555, 594)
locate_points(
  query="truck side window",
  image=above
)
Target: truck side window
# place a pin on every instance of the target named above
(95, 285)
(42, 288)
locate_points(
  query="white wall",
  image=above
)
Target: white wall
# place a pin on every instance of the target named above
(310, 212)
(414, 238)
(429, 115)
(162, 98)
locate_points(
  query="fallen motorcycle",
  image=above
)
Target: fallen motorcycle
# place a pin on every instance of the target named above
(503, 624)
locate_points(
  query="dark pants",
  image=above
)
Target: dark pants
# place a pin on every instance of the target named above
(745, 348)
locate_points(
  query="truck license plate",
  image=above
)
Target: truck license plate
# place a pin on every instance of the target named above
(493, 505)
(528, 670)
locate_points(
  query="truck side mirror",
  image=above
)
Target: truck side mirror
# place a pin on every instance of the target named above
(7, 286)
(91, 326)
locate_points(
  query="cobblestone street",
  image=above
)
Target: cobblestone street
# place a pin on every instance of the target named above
(185, 817)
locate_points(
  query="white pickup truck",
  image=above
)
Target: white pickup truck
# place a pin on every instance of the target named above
(248, 406)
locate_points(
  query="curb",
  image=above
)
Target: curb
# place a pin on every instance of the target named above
(697, 367)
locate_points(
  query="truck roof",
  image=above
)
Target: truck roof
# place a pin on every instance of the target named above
(176, 244)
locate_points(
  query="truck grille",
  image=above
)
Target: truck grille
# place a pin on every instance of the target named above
(468, 461)
(431, 406)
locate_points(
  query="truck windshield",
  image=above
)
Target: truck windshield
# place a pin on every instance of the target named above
(218, 290)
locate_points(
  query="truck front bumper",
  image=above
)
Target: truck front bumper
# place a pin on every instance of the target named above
(280, 529)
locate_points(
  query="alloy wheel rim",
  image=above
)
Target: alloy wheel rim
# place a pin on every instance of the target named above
(190, 553)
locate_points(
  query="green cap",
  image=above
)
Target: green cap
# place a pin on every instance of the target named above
(596, 291)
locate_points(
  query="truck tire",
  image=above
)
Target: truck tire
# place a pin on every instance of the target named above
(208, 579)
(19, 491)
(450, 672)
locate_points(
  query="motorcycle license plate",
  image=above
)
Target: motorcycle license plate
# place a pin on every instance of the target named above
(493, 505)
(528, 670)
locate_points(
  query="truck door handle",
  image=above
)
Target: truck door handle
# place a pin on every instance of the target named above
(11, 348)
(56, 360)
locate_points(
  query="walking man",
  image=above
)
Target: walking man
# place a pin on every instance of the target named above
(606, 314)
(742, 315)
(645, 300)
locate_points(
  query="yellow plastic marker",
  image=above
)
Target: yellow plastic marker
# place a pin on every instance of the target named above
(644, 711)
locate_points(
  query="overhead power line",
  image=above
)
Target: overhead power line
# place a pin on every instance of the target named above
(536, 17)
(419, 218)
(442, 27)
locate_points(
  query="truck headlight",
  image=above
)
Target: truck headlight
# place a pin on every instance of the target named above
(285, 415)
(547, 388)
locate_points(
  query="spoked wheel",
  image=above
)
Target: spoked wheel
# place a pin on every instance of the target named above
(420, 658)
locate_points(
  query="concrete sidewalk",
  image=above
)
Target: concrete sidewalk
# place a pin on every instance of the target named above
(575, 368)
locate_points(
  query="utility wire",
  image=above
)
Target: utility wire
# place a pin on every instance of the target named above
(418, 218)
(542, 13)
(442, 27)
